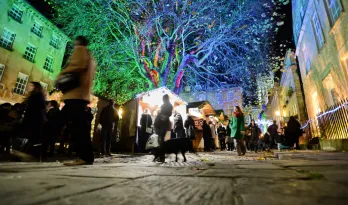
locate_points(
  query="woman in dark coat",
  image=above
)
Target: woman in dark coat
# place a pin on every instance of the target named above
(34, 116)
(229, 140)
(178, 127)
(145, 129)
(162, 123)
(293, 132)
(190, 124)
(255, 135)
(206, 136)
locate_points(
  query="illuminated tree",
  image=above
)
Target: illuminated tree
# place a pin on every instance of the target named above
(142, 44)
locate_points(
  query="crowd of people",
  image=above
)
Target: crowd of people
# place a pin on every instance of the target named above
(35, 125)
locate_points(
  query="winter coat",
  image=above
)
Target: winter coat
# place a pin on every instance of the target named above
(34, 116)
(254, 131)
(293, 130)
(178, 123)
(54, 123)
(221, 132)
(212, 129)
(145, 122)
(273, 130)
(108, 116)
(81, 61)
(189, 122)
(206, 131)
(237, 126)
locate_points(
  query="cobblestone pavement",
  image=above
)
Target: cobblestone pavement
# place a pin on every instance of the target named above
(206, 178)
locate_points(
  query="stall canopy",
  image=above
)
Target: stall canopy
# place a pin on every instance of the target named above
(154, 97)
(201, 107)
(220, 115)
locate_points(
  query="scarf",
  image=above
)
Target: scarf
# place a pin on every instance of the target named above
(236, 114)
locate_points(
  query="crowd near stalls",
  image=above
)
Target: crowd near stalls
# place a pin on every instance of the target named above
(139, 118)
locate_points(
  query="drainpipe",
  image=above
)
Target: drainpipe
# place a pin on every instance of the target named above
(298, 70)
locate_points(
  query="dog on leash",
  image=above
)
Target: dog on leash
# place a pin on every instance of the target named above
(174, 146)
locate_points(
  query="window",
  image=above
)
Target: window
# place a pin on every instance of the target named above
(335, 9)
(218, 97)
(318, 30)
(229, 96)
(37, 29)
(21, 84)
(48, 63)
(44, 85)
(54, 42)
(7, 39)
(2, 69)
(30, 52)
(16, 13)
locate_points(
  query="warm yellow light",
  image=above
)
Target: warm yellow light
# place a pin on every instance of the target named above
(120, 111)
(277, 113)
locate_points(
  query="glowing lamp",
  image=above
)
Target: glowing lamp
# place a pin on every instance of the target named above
(277, 113)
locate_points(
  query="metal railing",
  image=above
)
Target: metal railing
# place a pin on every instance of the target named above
(333, 123)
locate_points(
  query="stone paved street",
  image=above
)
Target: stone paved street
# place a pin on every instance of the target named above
(214, 178)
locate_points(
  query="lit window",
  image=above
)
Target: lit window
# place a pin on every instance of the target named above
(7, 39)
(318, 31)
(48, 63)
(2, 69)
(54, 42)
(30, 52)
(229, 96)
(335, 9)
(21, 84)
(218, 97)
(44, 85)
(16, 13)
(37, 29)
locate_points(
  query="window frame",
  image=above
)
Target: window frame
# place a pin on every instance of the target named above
(330, 4)
(2, 70)
(55, 44)
(45, 66)
(4, 37)
(16, 13)
(28, 52)
(44, 85)
(319, 34)
(24, 77)
(37, 29)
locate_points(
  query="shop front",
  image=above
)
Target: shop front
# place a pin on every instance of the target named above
(200, 111)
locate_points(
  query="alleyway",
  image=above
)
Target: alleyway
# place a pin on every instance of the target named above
(214, 178)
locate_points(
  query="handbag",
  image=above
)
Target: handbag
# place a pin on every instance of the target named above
(148, 130)
(152, 142)
(68, 82)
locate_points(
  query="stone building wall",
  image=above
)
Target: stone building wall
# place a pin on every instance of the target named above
(12, 59)
(323, 64)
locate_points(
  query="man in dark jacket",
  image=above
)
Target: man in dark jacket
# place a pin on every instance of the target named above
(273, 132)
(145, 129)
(294, 132)
(108, 119)
(206, 136)
(222, 136)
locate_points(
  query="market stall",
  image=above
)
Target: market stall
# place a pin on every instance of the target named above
(133, 109)
(201, 110)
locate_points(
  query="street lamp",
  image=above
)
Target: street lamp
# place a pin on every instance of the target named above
(277, 113)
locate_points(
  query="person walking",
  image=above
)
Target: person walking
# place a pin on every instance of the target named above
(273, 133)
(294, 132)
(222, 135)
(108, 119)
(238, 129)
(76, 100)
(255, 133)
(206, 136)
(34, 118)
(190, 127)
(178, 127)
(52, 128)
(145, 129)
(162, 123)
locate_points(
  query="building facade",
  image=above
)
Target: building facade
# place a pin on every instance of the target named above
(287, 99)
(31, 49)
(321, 36)
(221, 99)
